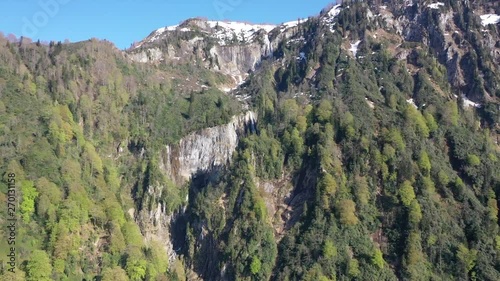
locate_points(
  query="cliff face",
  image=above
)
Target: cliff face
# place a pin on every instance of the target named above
(155, 223)
(204, 150)
(455, 43)
(200, 151)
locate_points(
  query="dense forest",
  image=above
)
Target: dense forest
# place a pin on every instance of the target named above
(372, 164)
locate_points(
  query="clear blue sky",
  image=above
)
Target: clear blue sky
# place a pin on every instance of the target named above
(125, 21)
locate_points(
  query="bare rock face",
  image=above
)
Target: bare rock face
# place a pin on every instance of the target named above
(200, 151)
(150, 55)
(440, 26)
(155, 223)
(238, 60)
(204, 150)
(231, 48)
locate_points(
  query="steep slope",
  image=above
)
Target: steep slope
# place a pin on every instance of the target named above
(82, 128)
(381, 176)
(361, 143)
(231, 48)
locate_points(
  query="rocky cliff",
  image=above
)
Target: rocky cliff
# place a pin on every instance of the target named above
(200, 151)
(456, 44)
(236, 49)
(204, 150)
(231, 48)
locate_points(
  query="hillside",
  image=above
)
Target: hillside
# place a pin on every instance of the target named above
(358, 144)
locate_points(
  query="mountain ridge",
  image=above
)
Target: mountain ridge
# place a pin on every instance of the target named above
(225, 34)
(362, 143)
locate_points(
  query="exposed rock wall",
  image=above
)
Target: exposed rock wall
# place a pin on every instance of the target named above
(201, 151)
(235, 60)
(454, 45)
(155, 223)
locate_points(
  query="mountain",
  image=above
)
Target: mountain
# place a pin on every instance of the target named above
(358, 144)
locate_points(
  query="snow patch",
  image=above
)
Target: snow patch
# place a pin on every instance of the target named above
(291, 24)
(157, 34)
(298, 94)
(354, 47)
(412, 102)
(490, 19)
(335, 11)
(169, 28)
(469, 103)
(369, 14)
(435, 5)
(227, 31)
(161, 30)
(241, 26)
(331, 15)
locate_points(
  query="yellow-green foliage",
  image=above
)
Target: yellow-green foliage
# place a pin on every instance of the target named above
(450, 114)
(354, 270)
(424, 163)
(27, 206)
(406, 193)
(361, 190)
(38, 267)
(92, 158)
(467, 257)
(260, 209)
(492, 207)
(347, 212)
(393, 136)
(415, 213)
(431, 122)
(255, 266)
(114, 274)
(329, 250)
(328, 185)
(415, 118)
(377, 258)
(324, 111)
(473, 160)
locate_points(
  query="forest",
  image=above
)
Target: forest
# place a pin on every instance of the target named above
(380, 171)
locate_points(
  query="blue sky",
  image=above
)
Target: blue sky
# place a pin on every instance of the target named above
(125, 21)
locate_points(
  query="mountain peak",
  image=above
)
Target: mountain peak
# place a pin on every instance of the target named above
(225, 32)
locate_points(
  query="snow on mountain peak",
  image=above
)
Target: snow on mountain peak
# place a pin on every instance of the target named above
(227, 32)
(293, 23)
(330, 16)
(224, 31)
(239, 31)
(241, 26)
(335, 11)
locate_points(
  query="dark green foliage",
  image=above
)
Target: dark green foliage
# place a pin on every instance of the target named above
(343, 178)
